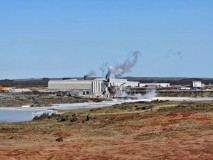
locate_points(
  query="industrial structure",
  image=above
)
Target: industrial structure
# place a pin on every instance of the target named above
(19, 90)
(155, 85)
(96, 87)
(196, 84)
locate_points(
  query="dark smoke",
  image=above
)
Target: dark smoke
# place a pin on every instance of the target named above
(103, 68)
(124, 67)
(91, 73)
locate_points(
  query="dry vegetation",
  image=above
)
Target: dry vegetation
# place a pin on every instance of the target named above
(141, 130)
(40, 99)
(186, 94)
(37, 99)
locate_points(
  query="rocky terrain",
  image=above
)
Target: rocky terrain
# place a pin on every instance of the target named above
(141, 130)
(39, 99)
(25, 83)
(190, 93)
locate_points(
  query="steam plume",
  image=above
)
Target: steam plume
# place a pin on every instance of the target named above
(103, 68)
(124, 67)
(150, 93)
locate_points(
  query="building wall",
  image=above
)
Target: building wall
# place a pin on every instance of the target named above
(124, 82)
(117, 82)
(132, 84)
(155, 85)
(97, 87)
(196, 84)
(70, 85)
(20, 90)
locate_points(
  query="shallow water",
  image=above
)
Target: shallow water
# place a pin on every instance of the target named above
(18, 114)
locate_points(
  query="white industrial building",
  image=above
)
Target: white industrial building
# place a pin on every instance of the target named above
(154, 85)
(18, 90)
(122, 82)
(196, 84)
(96, 87)
(77, 87)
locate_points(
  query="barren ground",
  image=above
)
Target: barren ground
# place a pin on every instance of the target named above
(156, 130)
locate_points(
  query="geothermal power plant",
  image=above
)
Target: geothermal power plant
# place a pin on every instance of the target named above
(109, 85)
(100, 86)
(97, 87)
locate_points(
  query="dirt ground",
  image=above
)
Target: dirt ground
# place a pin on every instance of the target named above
(156, 133)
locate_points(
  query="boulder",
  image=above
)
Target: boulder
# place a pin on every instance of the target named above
(60, 139)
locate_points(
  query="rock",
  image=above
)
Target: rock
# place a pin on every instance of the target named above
(36, 118)
(74, 118)
(54, 115)
(42, 117)
(63, 119)
(60, 139)
(87, 118)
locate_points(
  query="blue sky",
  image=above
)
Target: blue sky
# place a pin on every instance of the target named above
(68, 38)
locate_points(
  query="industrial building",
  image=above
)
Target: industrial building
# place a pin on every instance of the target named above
(122, 82)
(96, 87)
(19, 90)
(155, 85)
(196, 84)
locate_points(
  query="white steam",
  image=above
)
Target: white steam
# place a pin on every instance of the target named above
(124, 67)
(103, 68)
(150, 93)
(121, 91)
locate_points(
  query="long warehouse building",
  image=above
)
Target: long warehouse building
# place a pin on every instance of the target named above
(76, 87)
(88, 87)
